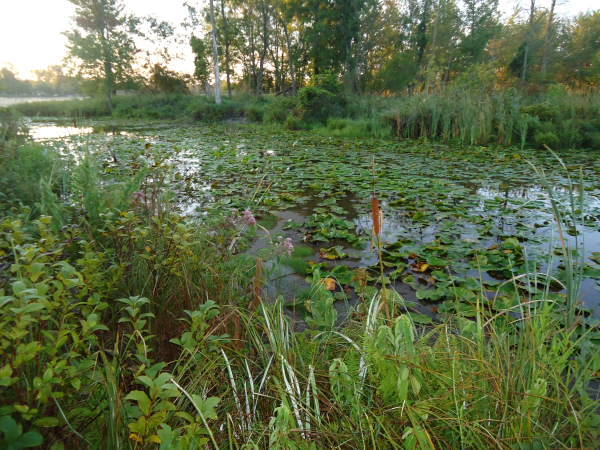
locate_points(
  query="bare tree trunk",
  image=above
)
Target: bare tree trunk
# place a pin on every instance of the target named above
(289, 52)
(432, 57)
(215, 54)
(449, 62)
(263, 53)
(108, 73)
(226, 47)
(435, 28)
(529, 32)
(547, 48)
(277, 71)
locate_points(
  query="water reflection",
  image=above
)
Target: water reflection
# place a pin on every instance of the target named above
(47, 132)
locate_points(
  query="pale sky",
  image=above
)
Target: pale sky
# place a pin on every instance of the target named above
(30, 31)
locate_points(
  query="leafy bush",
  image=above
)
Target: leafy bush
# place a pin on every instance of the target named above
(336, 124)
(36, 164)
(545, 112)
(548, 138)
(254, 113)
(292, 123)
(279, 110)
(315, 104)
(210, 112)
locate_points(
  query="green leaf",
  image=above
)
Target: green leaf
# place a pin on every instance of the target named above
(145, 380)
(47, 422)
(207, 407)
(142, 399)
(437, 262)
(9, 427)
(30, 439)
(18, 287)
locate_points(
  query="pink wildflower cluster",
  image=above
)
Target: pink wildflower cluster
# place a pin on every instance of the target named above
(284, 246)
(248, 218)
(138, 198)
(245, 218)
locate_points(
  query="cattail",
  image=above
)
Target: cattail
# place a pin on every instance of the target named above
(375, 214)
(74, 122)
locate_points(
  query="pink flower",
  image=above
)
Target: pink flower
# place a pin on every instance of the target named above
(245, 218)
(284, 246)
(138, 198)
(248, 218)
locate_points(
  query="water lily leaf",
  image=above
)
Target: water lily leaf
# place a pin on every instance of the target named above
(431, 294)
(460, 293)
(436, 262)
(332, 252)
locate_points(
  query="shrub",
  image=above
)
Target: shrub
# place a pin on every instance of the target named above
(210, 112)
(545, 112)
(314, 104)
(546, 139)
(569, 136)
(254, 113)
(336, 124)
(292, 123)
(279, 110)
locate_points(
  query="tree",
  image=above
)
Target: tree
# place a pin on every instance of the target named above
(528, 41)
(547, 46)
(201, 56)
(215, 54)
(265, 8)
(581, 66)
(481, 23)
(101, 45)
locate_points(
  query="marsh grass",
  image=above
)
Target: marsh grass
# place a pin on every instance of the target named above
(477, 116)
(466, 113)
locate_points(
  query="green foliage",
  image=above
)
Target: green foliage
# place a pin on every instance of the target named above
(40, 174)
(320, 305)
(102, 47)
(255, 113)
(209, 111)
(314, 103)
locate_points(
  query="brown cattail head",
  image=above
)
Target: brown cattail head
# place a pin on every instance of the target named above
(375, 214)
(74, 122)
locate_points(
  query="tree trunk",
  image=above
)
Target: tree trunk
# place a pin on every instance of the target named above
(277, 72)
(547, 47)
(108, 74)
(529, 32)
(449, 62)
(263, 53)
(289, 52)
(435, 28)
(432, 57)
(252, 50)
(215, 54)
(226, 47)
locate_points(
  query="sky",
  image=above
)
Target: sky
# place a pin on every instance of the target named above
(30, 32)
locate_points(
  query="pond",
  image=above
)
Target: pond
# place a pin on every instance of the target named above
(457, 221)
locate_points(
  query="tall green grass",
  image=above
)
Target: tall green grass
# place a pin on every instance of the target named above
(472, 116)
(467, 114)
